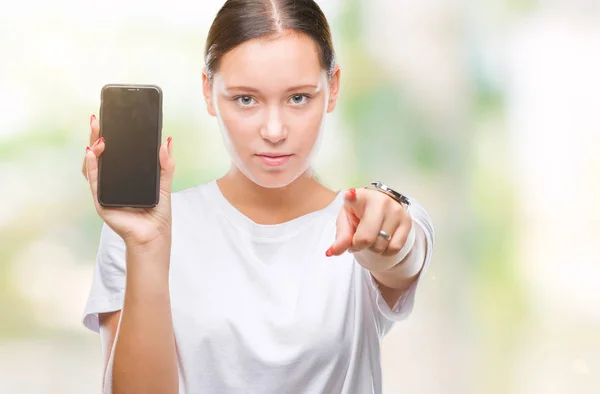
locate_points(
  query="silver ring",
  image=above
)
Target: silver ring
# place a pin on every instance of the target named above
(384, 235)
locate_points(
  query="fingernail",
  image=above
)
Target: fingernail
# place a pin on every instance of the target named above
(92, 119)
(352, 193)
(169, 144)
(99, 140)
(329, 252)
(87, 149)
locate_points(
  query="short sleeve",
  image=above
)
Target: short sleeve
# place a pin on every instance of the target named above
(108, 282)
(387, 316)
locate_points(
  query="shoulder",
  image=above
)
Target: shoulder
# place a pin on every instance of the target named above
(190, 191)
(192, 203)
(190, 196)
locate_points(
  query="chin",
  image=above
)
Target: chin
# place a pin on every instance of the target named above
(273, 179)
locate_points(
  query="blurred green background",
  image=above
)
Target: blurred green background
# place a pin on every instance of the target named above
(487, 112)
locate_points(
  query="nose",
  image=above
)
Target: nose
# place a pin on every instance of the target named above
(273, 129)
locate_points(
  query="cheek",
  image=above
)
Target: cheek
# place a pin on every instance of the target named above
(306, 125)
(239, 125)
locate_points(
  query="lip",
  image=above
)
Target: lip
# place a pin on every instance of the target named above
(274, 159)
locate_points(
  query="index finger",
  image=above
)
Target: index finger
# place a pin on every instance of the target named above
(94, 135)
(95, 129)
(343, 235)
(92, 173)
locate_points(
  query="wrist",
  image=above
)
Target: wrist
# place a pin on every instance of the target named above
(149, 259)
(151, 245)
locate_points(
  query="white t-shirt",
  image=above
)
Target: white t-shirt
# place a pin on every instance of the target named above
(260, 308)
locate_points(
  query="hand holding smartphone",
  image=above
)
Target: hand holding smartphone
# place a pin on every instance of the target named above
(128, 170)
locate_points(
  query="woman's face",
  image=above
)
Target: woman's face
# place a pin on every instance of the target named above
(270, 96)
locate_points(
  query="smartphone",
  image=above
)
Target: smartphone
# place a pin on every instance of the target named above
(131, 124)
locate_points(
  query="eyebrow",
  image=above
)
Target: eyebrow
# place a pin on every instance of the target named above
(254, 90)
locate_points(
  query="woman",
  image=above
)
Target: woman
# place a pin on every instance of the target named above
(263, 281)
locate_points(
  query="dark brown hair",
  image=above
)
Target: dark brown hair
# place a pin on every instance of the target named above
(239, 21)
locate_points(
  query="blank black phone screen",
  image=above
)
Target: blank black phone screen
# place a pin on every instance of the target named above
(130, 122)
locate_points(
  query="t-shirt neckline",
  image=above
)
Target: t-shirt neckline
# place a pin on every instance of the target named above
(268, 232)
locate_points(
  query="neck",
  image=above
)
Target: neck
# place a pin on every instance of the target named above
(271, 206)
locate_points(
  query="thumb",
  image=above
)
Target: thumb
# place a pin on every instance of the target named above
(343, 236)
(355, 202)
(167, 166)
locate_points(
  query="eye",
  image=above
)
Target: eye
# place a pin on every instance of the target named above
(299, 99)
(244, 101)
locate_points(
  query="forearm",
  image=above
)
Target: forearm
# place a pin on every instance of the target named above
(144, 358)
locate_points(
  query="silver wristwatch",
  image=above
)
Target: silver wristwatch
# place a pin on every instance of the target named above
(383, 188)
